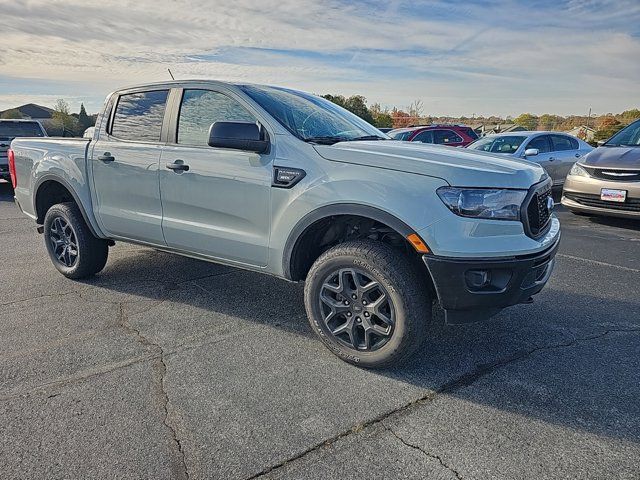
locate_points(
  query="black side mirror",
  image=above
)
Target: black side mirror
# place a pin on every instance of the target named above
(239, 136)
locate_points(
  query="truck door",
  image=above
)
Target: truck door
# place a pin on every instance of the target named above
(124, 163)
(221, 205)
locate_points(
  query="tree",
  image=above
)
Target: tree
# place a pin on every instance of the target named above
(13, 113)
(357, 105)
(64, 122)
(415, 110)
(83, 118)
(400, 118)
(549, 122)
(526, 120)
(608, 127)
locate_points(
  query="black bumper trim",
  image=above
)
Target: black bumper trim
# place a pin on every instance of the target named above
(474, 289)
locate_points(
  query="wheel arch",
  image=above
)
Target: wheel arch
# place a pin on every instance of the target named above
(292, 271)
(49, 190)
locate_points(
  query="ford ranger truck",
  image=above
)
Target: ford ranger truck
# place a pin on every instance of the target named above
(289, 184)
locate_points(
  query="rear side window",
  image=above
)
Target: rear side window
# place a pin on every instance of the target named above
(425, 136)
(200, 109)
(561, 142)
(470, 132)
(541, 143)
(10, 129)
(139, 116)
(444, 137)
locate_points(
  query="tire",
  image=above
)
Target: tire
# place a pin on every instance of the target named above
(406, 303)
(64, 229)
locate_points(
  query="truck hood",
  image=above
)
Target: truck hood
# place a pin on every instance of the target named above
(614, 157)
(457, 166)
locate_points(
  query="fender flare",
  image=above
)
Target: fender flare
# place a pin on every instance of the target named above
(326, 211)
(55, 178)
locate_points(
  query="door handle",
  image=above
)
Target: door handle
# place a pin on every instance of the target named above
(178, 166)
(106, 157)
(551, 159)
(578, 155)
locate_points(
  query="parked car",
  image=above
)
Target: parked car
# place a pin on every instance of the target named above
(451, 135)
(10, 129)
(385, 129)
(607, 181)
(555, 151)
(290, 184)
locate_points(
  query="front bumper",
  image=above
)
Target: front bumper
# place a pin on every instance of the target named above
(582, 194)
(474, 289)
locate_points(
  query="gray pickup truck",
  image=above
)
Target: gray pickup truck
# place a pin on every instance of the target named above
(10, 129)
(287, 183)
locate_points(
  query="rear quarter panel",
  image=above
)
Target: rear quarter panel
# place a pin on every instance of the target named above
(56, 159)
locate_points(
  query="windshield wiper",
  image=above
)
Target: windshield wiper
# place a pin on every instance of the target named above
(325, 140)
(367, 137)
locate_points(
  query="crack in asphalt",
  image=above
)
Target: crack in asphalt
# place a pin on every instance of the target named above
(180, 469)
(424, 452)
(454, 385)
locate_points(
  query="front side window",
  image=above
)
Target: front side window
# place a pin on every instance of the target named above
(629, 136)
(311, 118)
(540, 143)
(561, 142)
(138, 116)
(200, 109)
(443, 137)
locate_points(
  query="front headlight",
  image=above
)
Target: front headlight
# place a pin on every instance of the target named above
(578, 171)
(496, 204)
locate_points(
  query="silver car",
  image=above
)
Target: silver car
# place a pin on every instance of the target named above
(556, 152)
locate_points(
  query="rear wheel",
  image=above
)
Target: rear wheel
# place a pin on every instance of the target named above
(73, 249)
(367, 303)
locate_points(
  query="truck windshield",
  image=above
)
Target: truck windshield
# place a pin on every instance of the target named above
(311, 118)
(10, 129)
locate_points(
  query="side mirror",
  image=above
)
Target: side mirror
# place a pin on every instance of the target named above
(531, 152)
(239, 136)
(601, 142)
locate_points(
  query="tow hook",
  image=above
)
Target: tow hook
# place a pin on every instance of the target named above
(40, 229)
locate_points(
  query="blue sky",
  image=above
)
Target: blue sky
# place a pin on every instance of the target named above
(482, 57)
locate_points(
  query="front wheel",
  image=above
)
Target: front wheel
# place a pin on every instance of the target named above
(367, 303)
(73, 249)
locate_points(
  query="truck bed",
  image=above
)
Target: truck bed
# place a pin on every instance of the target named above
(37, 158)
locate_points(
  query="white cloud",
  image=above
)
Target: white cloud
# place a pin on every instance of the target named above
(460, 58)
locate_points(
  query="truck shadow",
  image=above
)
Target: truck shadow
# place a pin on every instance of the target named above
(570, 359)
(6, 192)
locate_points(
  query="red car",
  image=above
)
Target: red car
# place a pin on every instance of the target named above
(452, 135)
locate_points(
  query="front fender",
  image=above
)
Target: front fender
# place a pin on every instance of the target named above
(405, 202)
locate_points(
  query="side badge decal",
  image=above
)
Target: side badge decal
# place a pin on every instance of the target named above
(284, 177)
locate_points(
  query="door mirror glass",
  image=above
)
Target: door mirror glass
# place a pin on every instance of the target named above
(239, 136)
(531, 152)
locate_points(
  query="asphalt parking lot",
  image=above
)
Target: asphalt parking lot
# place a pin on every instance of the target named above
(167, 367)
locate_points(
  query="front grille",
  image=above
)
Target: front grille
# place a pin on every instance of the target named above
(538, 214)
(614, 175)
(590, 200)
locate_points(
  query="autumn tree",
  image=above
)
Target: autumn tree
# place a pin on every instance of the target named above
(607, 128)
(526, 120)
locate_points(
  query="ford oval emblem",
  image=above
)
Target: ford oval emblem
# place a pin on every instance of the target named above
(550, 204)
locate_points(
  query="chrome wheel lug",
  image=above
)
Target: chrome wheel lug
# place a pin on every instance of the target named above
(364, 302)
(349, 314)
(358, 319)
(366, 314)
(354, 296)
(346, 302)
